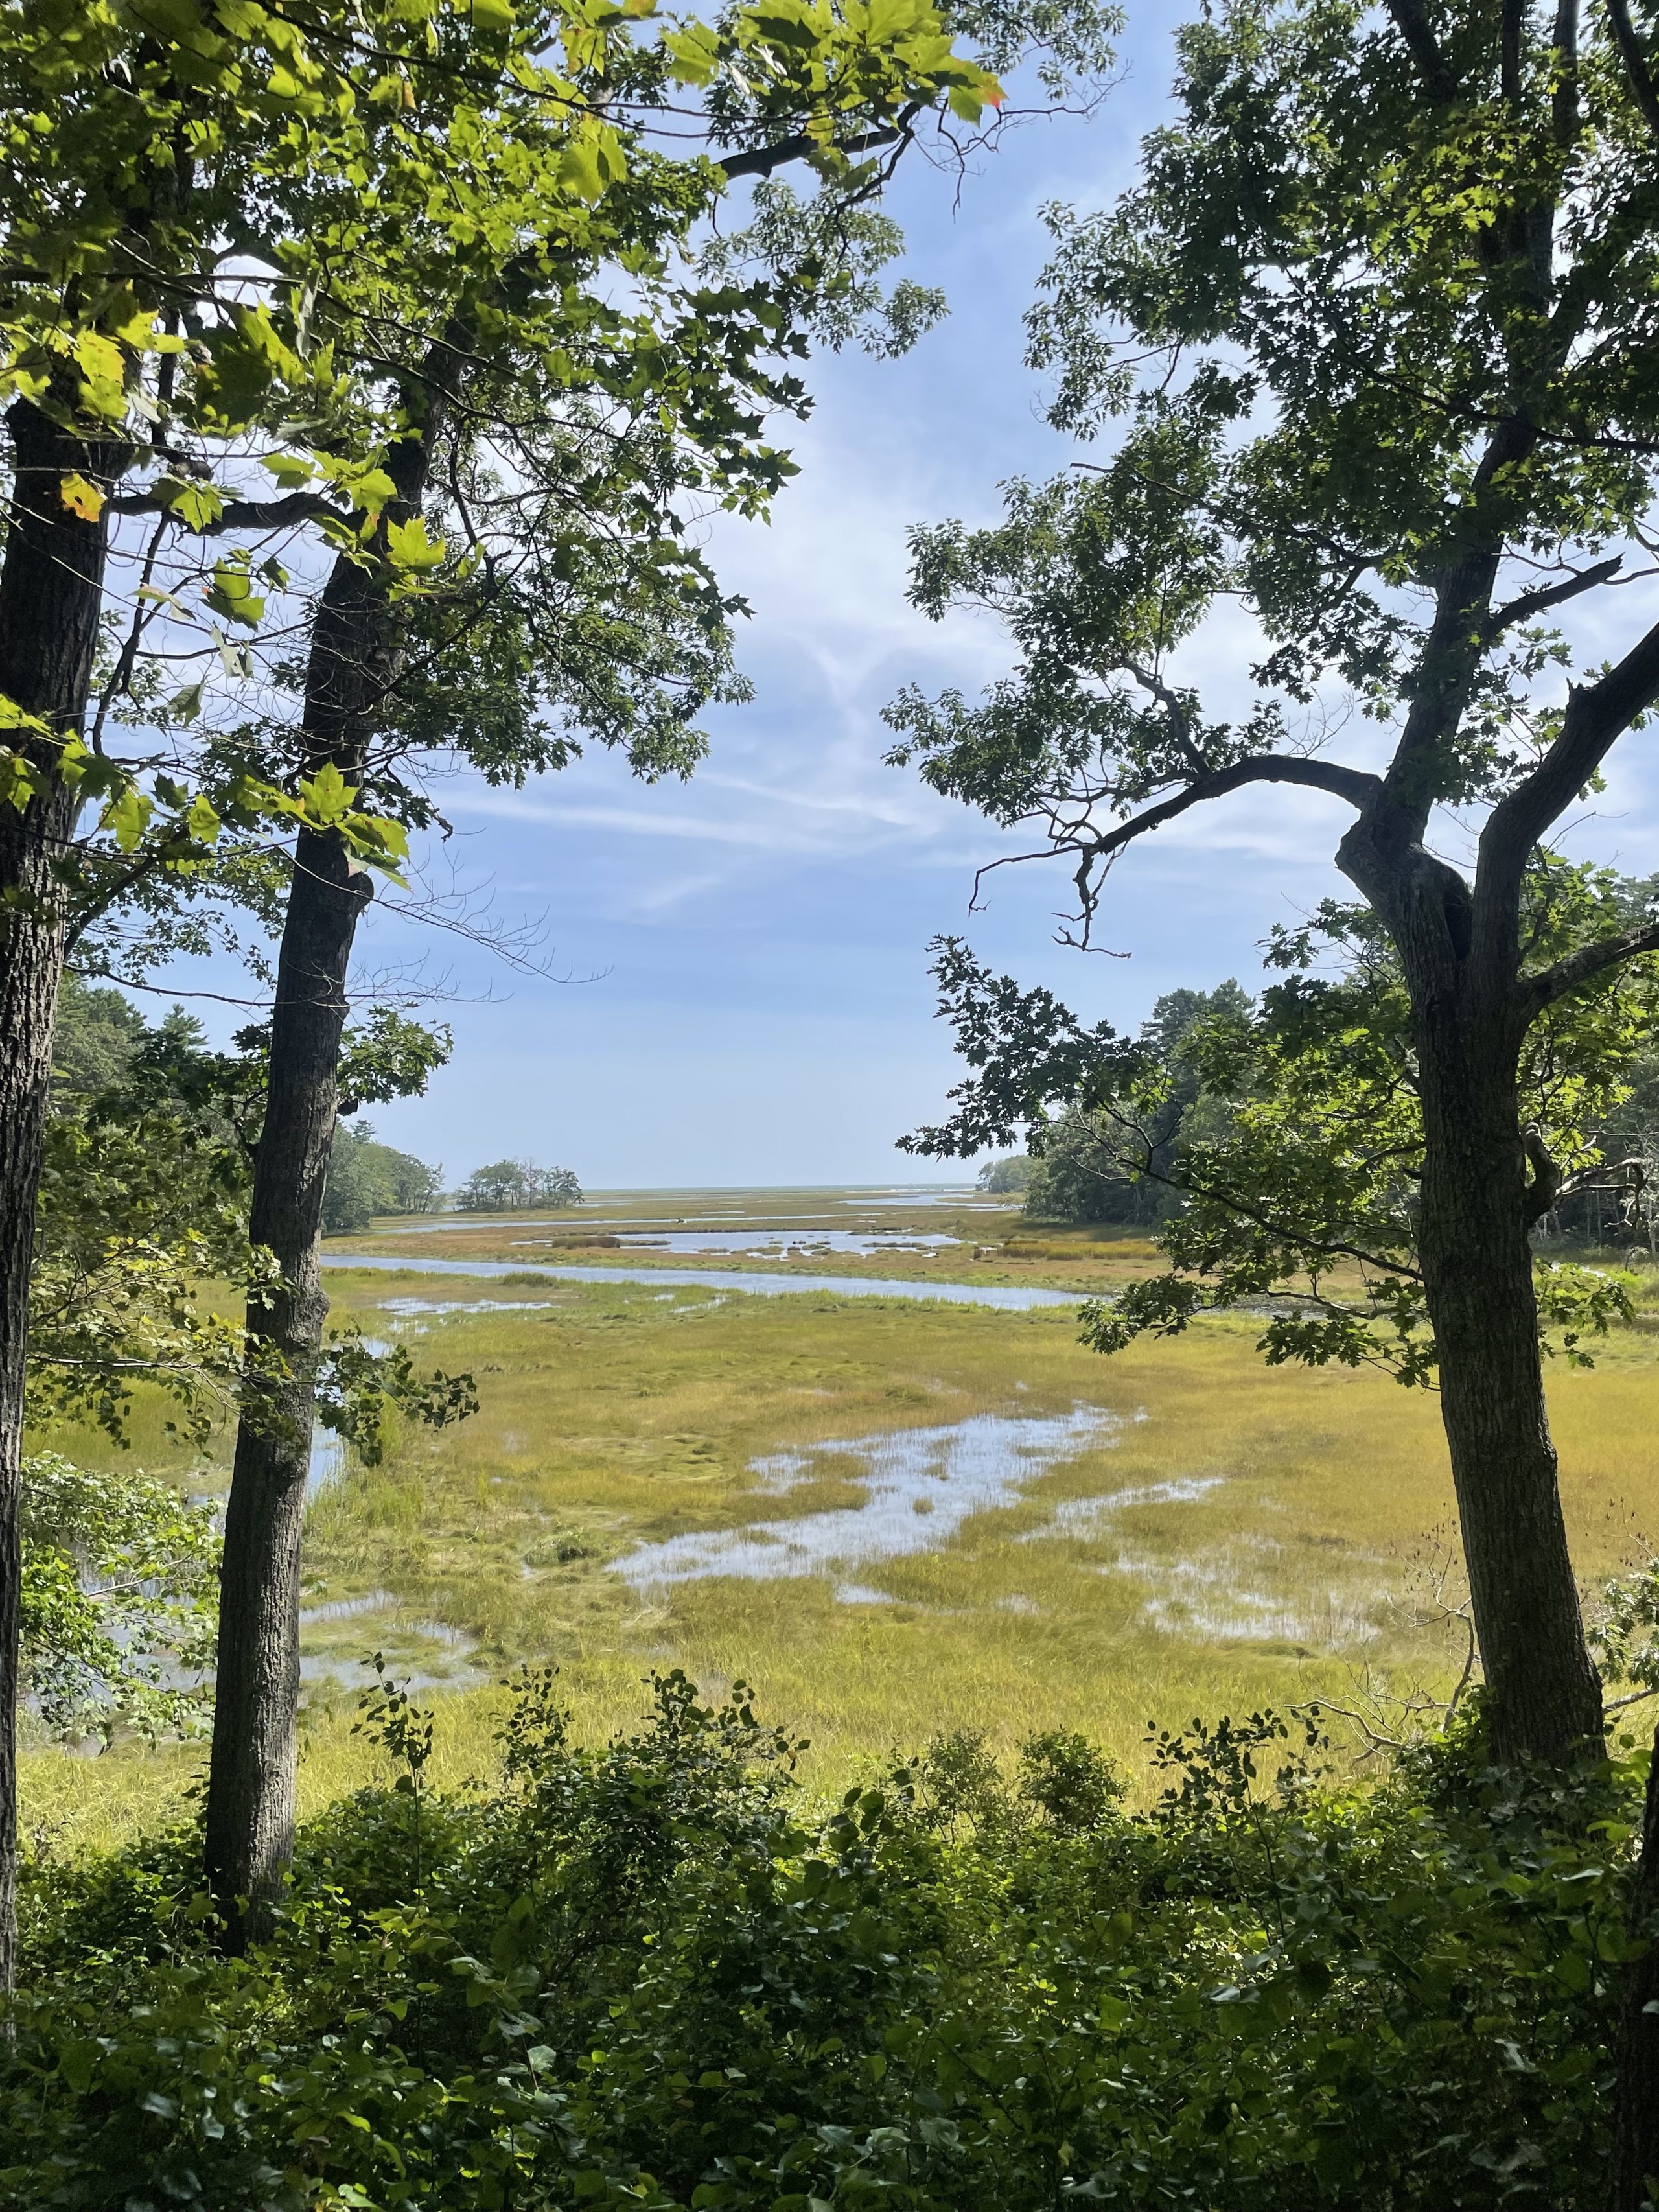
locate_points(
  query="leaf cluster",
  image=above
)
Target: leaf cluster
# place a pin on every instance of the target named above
(119, 1601)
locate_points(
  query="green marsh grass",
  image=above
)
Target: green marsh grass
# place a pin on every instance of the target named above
(1280, 1542)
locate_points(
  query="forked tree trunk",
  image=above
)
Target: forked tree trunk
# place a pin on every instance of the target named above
(51, 591)
(1544, 1697)
(250, 1805)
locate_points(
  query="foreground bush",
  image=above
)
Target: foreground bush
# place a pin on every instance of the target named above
(652, 1976)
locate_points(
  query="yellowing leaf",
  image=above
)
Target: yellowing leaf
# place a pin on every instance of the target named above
(101, 359)
(327, 795)
(408, 546)
(128, 815)
(80, 497)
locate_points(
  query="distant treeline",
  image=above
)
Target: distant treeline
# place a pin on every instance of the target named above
(366, 1178)
(104, 1046)
(1085, 1167)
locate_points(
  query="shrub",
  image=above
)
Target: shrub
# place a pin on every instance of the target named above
(653, 1975)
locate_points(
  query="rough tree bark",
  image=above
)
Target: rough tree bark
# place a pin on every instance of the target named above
(51, 591)
(250, 1806)
(1543, 1694)
(1461, 954)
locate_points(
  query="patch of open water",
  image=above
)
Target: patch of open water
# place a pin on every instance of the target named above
(406, 1309)
(922, 1485)
(1005, 1299)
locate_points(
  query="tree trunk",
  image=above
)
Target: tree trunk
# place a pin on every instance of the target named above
(1636, 2099)
(250, 1807)
(50, 592)
(1544, 1697)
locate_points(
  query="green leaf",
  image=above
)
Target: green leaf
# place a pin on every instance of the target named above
(198, 505)
(408, 547)
(232, 593)
(128, 815)
(327, 796)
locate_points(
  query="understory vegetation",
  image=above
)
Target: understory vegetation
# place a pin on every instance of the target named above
(658, 1973)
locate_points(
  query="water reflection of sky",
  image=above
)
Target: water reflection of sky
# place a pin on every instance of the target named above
(922, 1484)
(775, 1242)
(1007, 1299)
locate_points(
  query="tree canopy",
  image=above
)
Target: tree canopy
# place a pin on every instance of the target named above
(1368, 350)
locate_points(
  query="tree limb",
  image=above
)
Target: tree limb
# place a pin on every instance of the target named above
(1635, 61)
(1564, 107)
(1543, 989)
(1180, 723)
(765, 160)
(1356, 785)
(1528, 603)
(1597, 716)
(1412, 22)
(1508, 39)
(240, 514)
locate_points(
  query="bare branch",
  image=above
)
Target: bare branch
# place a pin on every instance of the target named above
(1355, 785)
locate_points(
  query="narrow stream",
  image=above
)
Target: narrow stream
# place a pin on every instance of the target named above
(1007, 1299)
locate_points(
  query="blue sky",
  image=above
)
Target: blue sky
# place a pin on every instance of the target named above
(748, 999)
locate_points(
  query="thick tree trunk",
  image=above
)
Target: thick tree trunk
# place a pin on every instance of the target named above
(1544, 1698)
(51, 591)
(1636, 2101)
(250, 1807)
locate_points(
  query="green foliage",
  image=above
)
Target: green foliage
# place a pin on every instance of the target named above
(651, 1973)
(143, 1202)
(119, 1601)
(144, 1205)
(366, 1178)
(419, 197)
(98, 1032)
(1285, 1137)
(360, 1386)
(506, 1186)
(1000, 1177)
(1089, 1168)
(1300, 328)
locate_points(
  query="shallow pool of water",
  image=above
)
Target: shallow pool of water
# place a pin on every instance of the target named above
(922, 1484)
(1008, 1300)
